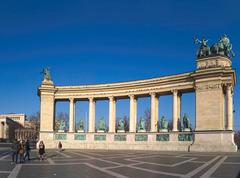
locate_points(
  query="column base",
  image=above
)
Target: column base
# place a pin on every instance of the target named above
(100, 131)
(141, 131)
(80, 131)
(217, 141)
(163, 130)
(120, 131)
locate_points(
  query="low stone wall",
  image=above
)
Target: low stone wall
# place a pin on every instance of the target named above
(120, 141)
(214, 141)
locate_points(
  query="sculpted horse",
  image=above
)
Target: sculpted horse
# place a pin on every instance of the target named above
(223, 47)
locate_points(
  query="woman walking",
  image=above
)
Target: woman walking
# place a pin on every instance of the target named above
(41, 150)
(21, 152)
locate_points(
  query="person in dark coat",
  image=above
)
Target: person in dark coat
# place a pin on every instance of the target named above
(60, 146)
(15, 147)
(41, 150)
(27, 150)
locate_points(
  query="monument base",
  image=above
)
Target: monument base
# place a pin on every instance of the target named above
(186, 130)
(141, 131)
(61, 131)
(163, 130)
(218, 141)
(80, 131)
(121, 131)
(100, 131)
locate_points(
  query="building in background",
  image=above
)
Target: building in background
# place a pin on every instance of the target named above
(15, 126)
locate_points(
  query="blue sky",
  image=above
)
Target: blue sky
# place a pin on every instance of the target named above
(86, 42)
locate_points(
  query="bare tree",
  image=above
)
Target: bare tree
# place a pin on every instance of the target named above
(35, 120)
(147, 116)
(126, 123)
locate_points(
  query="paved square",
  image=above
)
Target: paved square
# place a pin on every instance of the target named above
(121, 164)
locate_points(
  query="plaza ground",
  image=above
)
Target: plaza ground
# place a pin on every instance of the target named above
(121, 164)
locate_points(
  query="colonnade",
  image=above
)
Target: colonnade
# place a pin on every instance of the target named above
(132, 114)
(176, 112)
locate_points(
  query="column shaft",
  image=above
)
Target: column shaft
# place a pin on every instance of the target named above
(91, 126)
(179, 110)
(112, 114)
(133, 114)
(154, 112)
(229, 109)
(175, 111)
(72, 116)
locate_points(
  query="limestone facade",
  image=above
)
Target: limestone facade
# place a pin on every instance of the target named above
(212, 81)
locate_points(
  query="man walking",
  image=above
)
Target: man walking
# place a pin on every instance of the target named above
(15, 148)
(27, 150)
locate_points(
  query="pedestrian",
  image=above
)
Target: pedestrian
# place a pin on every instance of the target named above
(41, 150)
(15, 147)
(27, 150)
(21, 152)
(60, 146)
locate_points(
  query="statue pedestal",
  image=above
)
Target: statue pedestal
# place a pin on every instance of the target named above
(61, 131)
(141, 131)
(100, 131)
(121, 131)
(186, 130)
(80, 131)
(163, 130)
(214, 141)
(213, 62)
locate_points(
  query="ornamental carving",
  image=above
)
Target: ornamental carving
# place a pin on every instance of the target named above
(208, 87)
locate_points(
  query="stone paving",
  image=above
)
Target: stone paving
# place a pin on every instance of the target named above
(122, 164)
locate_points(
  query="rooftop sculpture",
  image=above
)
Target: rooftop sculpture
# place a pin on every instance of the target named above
(222, 47)
(46, 73)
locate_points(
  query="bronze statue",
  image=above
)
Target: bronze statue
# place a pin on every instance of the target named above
(46, 73)
(141, 125)
(164, 123)
(121, 124)
(223, 47)
(204, 49)
(101, 124)
(186, 122)
(62, 125)
(81, 125)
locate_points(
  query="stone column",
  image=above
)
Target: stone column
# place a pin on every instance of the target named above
(91, 126)
(179, 97)
(154, 112)
(112, 114)
(133, 114)
(72, 115)
(175, 110)
(47, 106)
(229, 108)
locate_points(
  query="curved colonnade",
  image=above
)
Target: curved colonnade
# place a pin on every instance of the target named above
(213, 81)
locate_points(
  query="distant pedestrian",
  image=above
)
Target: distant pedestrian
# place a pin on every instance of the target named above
(60, 146)
(15, 148)
(41, 150)
(21, 152)
(27, 150)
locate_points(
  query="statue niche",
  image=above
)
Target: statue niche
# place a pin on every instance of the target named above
(141, 125)
(101, 125)
(121, 125)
